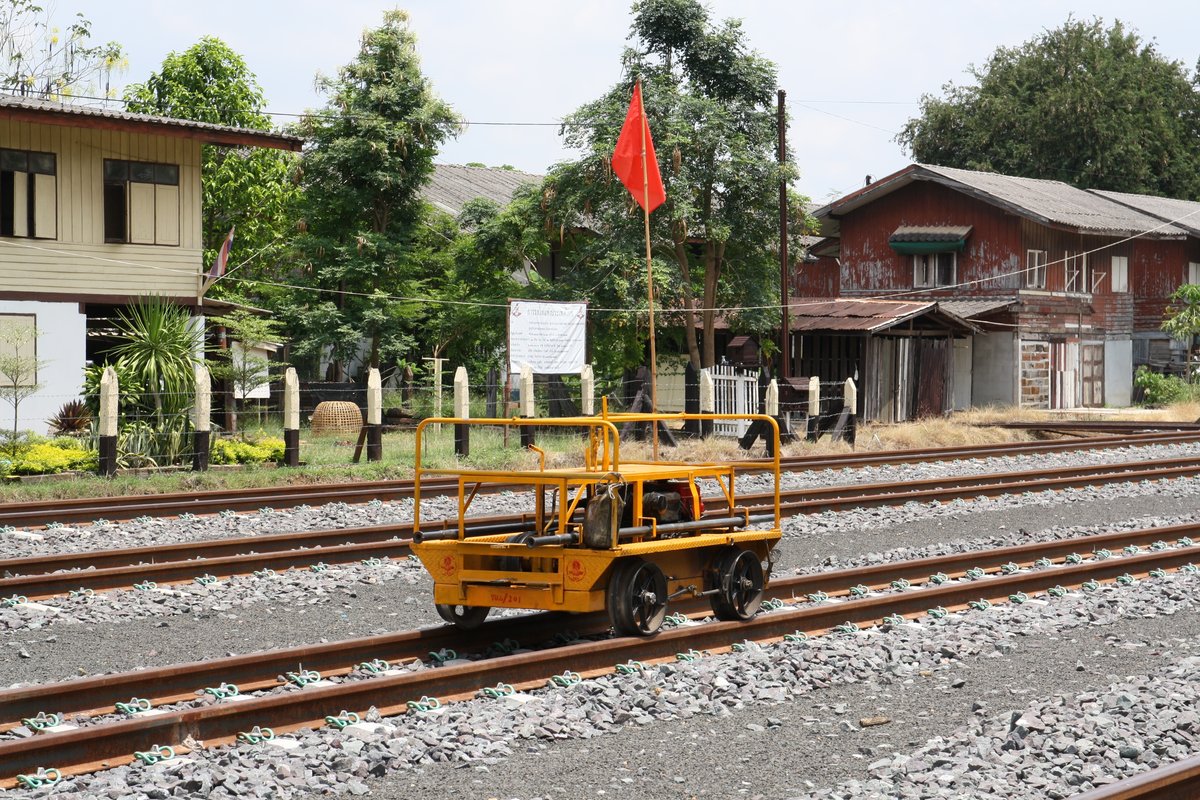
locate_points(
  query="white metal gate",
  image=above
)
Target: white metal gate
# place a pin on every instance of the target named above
(735, 392)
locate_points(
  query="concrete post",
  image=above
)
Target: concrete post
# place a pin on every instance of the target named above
(291, 418)
(814, 407)
(525, 403)
(708, 401)
(587, 391)
(201, 419)
(108, 422)
(374, 415)
(771, 404)
(851, 406)
(462, 410)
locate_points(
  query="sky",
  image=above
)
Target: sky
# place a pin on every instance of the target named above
(854, 73)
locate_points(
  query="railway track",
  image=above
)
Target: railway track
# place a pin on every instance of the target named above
(1178, 781)
(41, 577)
(950, 582)
(84, 510)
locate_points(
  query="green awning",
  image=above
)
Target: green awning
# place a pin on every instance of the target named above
(921, 240)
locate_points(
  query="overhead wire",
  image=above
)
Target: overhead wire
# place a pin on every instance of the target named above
(480, 304)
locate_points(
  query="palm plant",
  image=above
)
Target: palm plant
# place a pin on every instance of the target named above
(161, 348)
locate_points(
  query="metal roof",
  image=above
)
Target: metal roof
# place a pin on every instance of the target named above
(1049, 202)
(970, 309)
(48, 112)
(867, 316)
(930, 233)
(1180, 213)
(452, 186)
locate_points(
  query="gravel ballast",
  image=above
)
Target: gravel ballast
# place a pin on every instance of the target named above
(1044, 661)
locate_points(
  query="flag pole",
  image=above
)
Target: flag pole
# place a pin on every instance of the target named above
(649, 273)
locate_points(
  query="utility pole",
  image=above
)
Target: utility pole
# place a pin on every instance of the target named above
(785, 333)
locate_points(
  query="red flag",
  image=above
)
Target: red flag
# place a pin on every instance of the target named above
(648, 190)
(218, 267)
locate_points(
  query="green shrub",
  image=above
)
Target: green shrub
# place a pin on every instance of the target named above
(236, 451)
(48, 458)
(1159, 389)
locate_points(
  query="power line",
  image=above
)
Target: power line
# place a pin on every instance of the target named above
(482, 123)
(441, 301)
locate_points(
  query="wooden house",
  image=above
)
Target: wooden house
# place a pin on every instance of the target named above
(1059, 279)
(97, 208)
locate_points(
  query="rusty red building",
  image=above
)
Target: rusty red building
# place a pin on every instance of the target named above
(1067, 286)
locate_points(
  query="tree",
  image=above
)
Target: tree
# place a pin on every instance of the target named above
(1182, 320)
(710, 102)
(19, 367)
(40, 60)
(244, 368)
(250, 188)
(370, 150)
(1093, 106)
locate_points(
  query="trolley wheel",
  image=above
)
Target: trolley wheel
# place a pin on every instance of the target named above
(515, 563)
(464, 617)
(636, 597)
(738, 578)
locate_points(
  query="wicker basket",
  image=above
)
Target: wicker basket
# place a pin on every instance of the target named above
(336, 417)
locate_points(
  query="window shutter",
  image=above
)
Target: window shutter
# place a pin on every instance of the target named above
(166, 214)
(45, 209)
(141, 213)
(20, 204)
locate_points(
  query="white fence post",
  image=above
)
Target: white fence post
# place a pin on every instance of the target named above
(201, 419)
(587, 391)
(526, 391)
(108, 422)
(772, 399)
(291, 418)
(462, 410)
(526, 404)
(708, 401)
(374, 415)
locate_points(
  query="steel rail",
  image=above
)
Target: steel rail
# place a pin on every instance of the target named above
(97, 746)
(85, 510)
(260, 670)
(1177, 781)
(1112, 426)
(42, 577)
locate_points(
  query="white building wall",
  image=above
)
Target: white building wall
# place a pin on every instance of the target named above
(1118, 372)
(62, 347)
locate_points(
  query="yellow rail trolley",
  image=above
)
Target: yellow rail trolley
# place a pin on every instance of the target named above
(614, 535)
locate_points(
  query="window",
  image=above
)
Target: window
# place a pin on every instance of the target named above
(1035, 269)
(1120, 273)
(28, 194)
(934, 269)
(141, 202)
(1194, 272)
(1075, 266)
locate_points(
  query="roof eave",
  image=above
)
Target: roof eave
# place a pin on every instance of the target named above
(227, 137)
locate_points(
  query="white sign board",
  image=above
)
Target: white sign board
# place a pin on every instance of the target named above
(550, 337)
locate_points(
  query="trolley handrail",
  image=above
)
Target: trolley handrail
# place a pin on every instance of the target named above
(606, 423)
